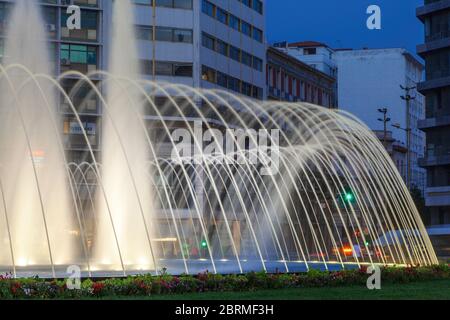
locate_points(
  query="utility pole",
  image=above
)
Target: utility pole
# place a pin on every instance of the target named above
(385, 121)
(408, 98)
(397, 126)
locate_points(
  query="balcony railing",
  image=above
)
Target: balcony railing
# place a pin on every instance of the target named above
(431, 6)
(441, 73)
(434, 121)
(438, 36)
(436, 160)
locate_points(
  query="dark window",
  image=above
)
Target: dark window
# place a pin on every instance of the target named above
(222, 16)
(222, 48)
(222, 79)
(235, 23)
(208, 8)
(182, 69)
(208, 41)
(309, 51)
(247, 58)
(235, 53)
(163, 68)
(246, 28)
(163, 34)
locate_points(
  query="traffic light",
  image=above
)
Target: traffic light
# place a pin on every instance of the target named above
(347, 197)
(204, 244)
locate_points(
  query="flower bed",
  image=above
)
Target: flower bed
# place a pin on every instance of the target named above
(141, 286)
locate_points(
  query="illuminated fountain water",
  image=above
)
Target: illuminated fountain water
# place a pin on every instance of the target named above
(35, 192)
(125, 214)
(253, 185)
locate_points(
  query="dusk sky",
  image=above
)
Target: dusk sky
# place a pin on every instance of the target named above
(342, 24)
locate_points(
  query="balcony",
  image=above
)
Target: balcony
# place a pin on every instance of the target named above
(437, 196)
(437, 121)
(432, 6)
(435, 42)
(436, 160)
(434, 83)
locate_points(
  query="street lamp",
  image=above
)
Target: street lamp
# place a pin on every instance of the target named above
(385, 121)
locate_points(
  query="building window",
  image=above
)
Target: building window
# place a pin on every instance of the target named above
(182, 69)
(247, 59)
(208, 41)
(182, 35)
(235, 53)
(235, 23)
(163, 68)
(309, 51)
(222, 16)
(258, 6)
(4, 11)
(231, 83)
(78, 57)
(208, 8)
(246, 28)
(144, 33)
(164, 34)
(89, 26)
(222, 48)
(257, 64)
(222, 79)
(178, 4)
(257, 34)
(208, 74)
(166, 68)
(234, 84)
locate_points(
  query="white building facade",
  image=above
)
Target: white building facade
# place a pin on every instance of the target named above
(315, 54)
(202, 43)
(369, 80)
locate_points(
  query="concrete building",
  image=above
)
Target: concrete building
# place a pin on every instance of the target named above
(315, 54)
(203, 43)
(436, 52)
(80, 50)
(369, 80)
(199, 43)
(289, 79)
(396, 149)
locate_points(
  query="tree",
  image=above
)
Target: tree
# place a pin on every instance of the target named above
(419, 201)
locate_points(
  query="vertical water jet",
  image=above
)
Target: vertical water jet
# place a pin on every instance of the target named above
(33, 170)
(125, 153)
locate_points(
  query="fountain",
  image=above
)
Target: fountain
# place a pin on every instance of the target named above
(187, 179)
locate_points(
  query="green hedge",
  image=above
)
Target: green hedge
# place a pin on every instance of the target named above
(140, 286)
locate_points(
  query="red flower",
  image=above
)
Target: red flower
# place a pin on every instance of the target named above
(97, 287)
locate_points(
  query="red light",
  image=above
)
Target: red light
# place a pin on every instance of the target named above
(38, 154)
(347, 251)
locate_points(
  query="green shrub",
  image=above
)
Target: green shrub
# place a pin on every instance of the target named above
(145, 285)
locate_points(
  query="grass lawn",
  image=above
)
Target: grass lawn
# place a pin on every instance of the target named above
(439, 289)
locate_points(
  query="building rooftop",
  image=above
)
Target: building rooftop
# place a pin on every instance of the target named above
(297, 62)
(306, 44)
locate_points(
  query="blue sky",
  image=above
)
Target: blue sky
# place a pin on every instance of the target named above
(342, 23)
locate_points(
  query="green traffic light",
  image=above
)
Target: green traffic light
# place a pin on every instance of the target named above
(349, 197)
(204, 244)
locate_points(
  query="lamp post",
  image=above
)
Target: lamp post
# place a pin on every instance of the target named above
(408, 98)
(408, 158)
(385, 121)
